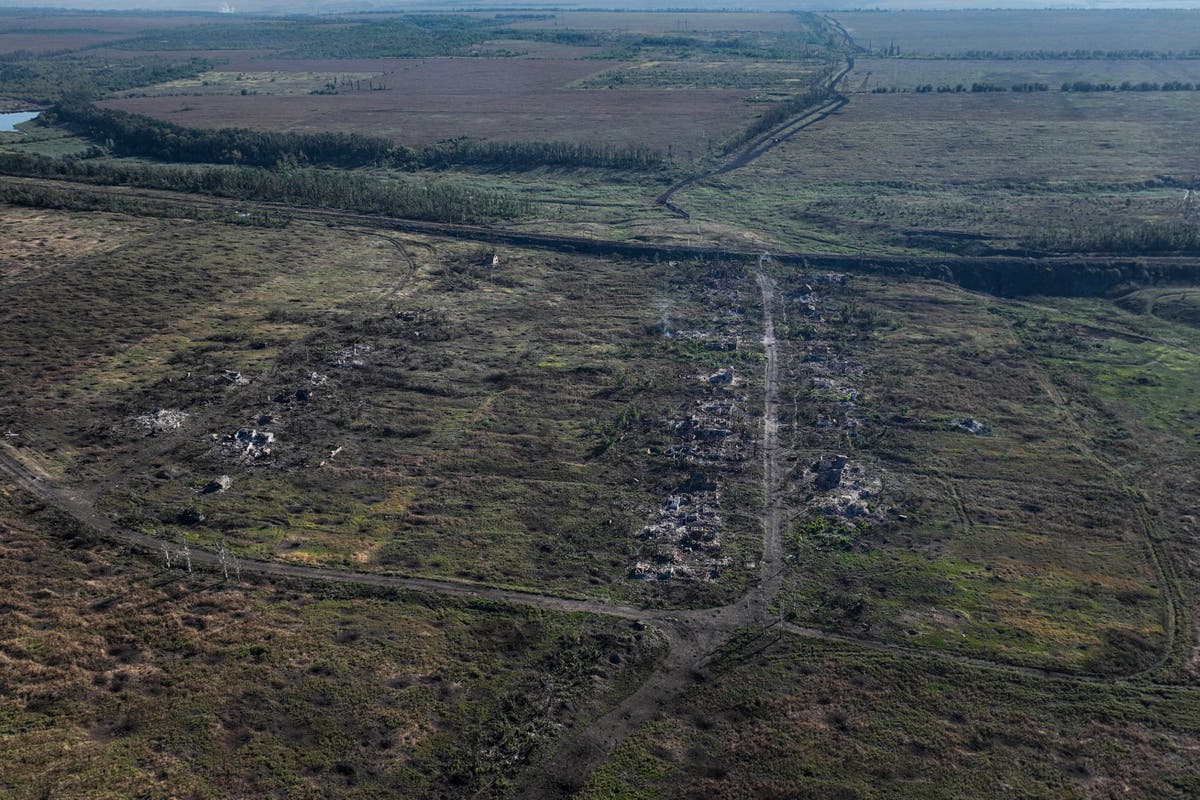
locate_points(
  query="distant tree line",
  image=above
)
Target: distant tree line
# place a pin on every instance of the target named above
(1041, 55)
(1128, 86)
(526, 154)
(440, 201)
(128, 134)
(976, 88)
(41, 79)
(136, 135)
(1072, 86)
(1138, 237)
(72, 199)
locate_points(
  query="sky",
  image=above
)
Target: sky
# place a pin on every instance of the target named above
(334, 6)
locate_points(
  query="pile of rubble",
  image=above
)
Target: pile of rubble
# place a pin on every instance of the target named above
(349, 357)
(971, 425)
(248, 444)
(160, 420)
(846, 489)
(684, 540)
(837, 485)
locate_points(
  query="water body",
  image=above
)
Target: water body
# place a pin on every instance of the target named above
(9, 122)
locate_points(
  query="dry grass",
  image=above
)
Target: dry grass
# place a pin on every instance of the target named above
(426, 100)
(810, 720)
(122, 679)
(940, 32)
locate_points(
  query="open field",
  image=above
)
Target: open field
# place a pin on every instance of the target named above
(954, 171)
(662, 22)
(782, 717)
(433, 99)
(39, 32)
(938, 33)
(38, 241)
(507, 89)
(123, 679)
(38, 42)
(963, 540)
(906, 74)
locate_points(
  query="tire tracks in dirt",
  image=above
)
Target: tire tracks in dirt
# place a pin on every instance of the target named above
(1178, 624)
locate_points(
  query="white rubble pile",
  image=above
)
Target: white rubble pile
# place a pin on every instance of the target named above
(350, 357)
(160, 420)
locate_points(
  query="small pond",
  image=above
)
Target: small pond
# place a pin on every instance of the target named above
(9, 122)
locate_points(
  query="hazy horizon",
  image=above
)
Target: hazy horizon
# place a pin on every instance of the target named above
(349, 6)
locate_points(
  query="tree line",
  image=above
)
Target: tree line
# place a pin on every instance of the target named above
(1135, 237)
(526, 154)
(414, 198)
(42, 79)
(1072, 86)
(784, 110)
(72, 199)
(975, 88)
(128, 134)
(1129, 86)
(1041, 55)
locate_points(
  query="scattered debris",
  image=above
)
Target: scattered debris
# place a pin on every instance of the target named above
(348, 357)
(725, 342)
(839, 487)
(220, 484)
(970, 425)
(248, 444)
(232, 378)
(317, 379)
(191, 517)
(159, 420)
(683, 540)
(829, 472)
(722, 377)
